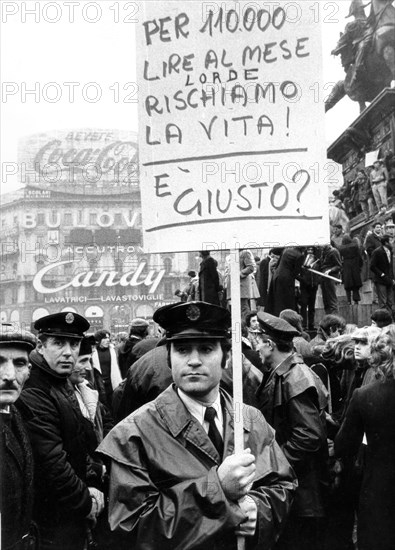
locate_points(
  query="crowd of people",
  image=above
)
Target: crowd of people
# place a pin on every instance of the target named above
(368, 192)
(129, 442)
(290, 277)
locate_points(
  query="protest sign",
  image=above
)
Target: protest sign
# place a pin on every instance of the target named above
(232, 147)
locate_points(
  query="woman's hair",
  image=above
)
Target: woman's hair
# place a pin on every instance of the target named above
(382, 355)
(101, 334)
(339, 351)
(350, 328)
(244, 329)
(368, 333)
(249, 316)
(389, 330)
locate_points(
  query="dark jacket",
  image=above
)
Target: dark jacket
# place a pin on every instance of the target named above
(263, 280)
(16, 481)
(165, 467)
(125, 353)
(293, 400)
(61, 439)
(372, 411)
(330, 261)
(282, 286)
(352, 265)
(209, 281)
(381, 267)
(371, 243)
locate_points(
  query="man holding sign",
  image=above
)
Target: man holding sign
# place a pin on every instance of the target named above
(175, 482)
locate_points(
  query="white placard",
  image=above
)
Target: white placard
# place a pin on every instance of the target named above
(371, 157)
(231, 138)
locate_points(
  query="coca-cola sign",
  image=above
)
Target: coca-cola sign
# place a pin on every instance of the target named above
(84, 157)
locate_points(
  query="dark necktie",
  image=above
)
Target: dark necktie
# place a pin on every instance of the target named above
(213, 432)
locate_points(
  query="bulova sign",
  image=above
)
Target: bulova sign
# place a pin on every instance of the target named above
(102, 219)
(88, 279)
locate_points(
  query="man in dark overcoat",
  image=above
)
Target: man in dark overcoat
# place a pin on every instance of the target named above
(293, 401)
(16, 458)
(381, 267)
(282, 286)
(175, 482)
(208, 279)
(61, 437)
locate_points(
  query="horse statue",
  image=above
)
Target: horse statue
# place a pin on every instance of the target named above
(367, 52)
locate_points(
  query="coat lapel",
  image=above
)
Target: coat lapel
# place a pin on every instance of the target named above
(184, 426)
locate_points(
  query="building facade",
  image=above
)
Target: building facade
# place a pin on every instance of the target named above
(71, 238)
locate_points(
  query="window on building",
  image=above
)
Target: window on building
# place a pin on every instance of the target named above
(54, 216)
(118, 218)
(92, 218)
(15, 219)
(15, 295)
(8, 298)
(41, 218)
(2, 222)
(80, 216)
(68, 218)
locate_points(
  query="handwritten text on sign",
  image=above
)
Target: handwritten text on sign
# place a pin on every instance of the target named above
(229, 131)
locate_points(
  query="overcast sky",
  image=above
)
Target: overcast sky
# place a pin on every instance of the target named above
(98, 47)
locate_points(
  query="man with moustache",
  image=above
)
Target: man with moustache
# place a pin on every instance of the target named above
(61, 437)
(175, 483)
(16, 458)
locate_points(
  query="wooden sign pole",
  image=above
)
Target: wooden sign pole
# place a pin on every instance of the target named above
(237, 360)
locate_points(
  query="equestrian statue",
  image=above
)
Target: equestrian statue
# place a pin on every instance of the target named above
(367, 53)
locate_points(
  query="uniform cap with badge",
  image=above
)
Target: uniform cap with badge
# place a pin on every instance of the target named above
(14, 337)
(276, 328)
(65, 324)
(193, 320)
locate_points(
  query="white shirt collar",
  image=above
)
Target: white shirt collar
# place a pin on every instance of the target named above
(198, 409)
